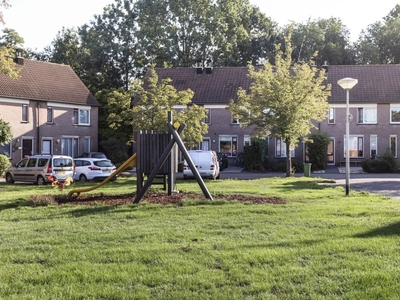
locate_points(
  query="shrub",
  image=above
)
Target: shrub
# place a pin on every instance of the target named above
(252, 156)
(317, 147)
(270, 164)
(386, 164)
(116, 150)
(4, 164)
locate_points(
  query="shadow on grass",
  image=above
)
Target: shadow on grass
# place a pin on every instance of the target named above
(15, 204)
(389, 230)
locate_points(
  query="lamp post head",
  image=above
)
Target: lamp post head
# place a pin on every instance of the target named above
(347, 83)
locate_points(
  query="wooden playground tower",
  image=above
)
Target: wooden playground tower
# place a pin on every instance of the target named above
(157, 156)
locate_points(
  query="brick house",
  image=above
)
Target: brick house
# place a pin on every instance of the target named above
(49, 109)
(374, 105)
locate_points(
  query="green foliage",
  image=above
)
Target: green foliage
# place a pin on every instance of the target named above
(253, 155)
(4, 164)
(5, 132)
(317, 147)
(385, 164)
(329, 38)
(283, 100)
(115, 149)
(152, 103)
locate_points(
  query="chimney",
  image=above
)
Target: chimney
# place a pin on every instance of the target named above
(325, 66)
(18, 57)
(209, 66)
(199, 66)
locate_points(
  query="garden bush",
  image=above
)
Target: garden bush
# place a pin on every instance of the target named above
(4, 164)
(385, 164)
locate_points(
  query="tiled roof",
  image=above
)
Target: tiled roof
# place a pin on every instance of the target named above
(376, 83)
(216, 88)
(47, 81)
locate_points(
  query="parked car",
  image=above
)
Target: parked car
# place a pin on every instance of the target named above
(94, 155)
(93, 169)
(38, 168)
(223, 160)
(206, 163)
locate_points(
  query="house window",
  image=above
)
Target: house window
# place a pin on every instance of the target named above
(356, 145)
(49, 114)
(366, 115)
(228, 145)
(393, 145)
(6, 150)
(373, 145)
(280, 148)
(395, 115)
(247, 140)
(46, 147)
(331, 115)
(86, 144)
(24, 112)
(207, 119)
(234, 120)
(69, 146)
(81, 116)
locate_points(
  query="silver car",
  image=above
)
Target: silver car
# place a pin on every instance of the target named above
(38, 168)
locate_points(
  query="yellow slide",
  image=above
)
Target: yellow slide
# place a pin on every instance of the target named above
(131, 162)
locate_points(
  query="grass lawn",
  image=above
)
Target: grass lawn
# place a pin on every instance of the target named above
(319, 245)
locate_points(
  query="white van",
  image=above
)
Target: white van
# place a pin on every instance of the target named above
(38, 168)
(206, 163)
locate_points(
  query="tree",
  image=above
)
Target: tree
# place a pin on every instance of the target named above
(7, 65)
(5, 132)
(329, 38)
(152, 102)
(317, 147)
(378, 44)
(283, 100)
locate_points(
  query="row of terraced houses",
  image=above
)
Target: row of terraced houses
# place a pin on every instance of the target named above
(52, 112)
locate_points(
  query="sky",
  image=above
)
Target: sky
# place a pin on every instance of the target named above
(39, 21)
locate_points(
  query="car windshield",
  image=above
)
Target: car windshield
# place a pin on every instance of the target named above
(103, 163)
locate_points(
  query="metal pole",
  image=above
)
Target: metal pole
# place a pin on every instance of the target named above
(347, 144)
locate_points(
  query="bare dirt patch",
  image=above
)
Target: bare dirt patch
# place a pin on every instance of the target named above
(161, 198)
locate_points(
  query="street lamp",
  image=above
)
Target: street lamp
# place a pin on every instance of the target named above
(347, 84)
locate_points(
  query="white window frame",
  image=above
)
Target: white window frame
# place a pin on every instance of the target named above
(392, 138)
(246, 140)
(4, 149)
(50, 115)
(331, 115)
(79, 114)
(373, 145)
(357, 147)
(393, 107)
(280, 148)
(233, 140)
(25, 113)
(364, 115)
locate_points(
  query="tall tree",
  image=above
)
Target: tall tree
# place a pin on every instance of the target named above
(329, 38)
(152, 102)
(5, 132)
(283, 100)
(378, 44)
(7, 54)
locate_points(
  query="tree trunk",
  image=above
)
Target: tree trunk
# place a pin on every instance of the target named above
(288, 161)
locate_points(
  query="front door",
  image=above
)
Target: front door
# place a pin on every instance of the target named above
(331, 152)
(27, 147)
